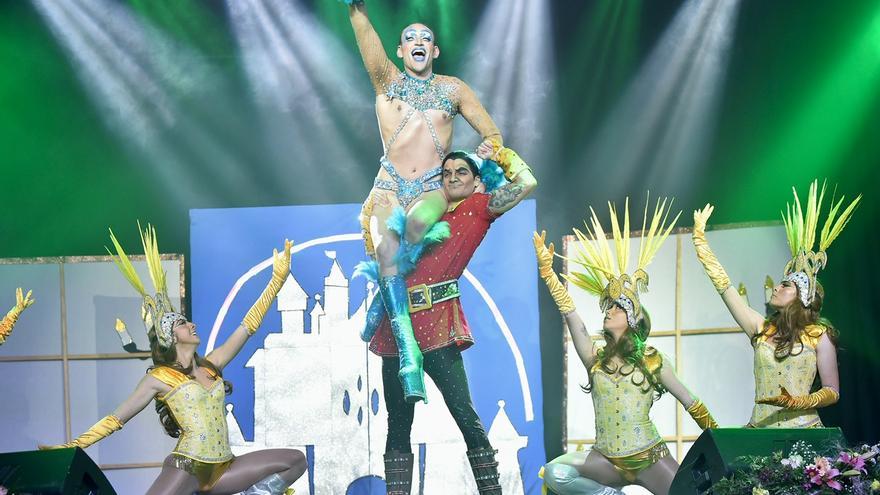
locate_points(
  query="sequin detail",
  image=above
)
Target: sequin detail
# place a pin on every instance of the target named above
(795, 372)
(623, 423)
(408, 190)
(423, 94)
(201, 414)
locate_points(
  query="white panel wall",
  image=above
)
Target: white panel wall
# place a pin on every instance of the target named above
(100, 375)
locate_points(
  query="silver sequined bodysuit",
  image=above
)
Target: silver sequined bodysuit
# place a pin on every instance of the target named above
(421, 96)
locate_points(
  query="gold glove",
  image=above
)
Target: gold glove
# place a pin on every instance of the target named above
(280, 271)
(707, 258)
(545, 270)
(701, 415)
(511, 163)
(823, 397)
(99, 430)
(8, 322)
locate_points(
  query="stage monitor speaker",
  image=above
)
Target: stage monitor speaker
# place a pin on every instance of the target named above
(715, 454)
(61, 471)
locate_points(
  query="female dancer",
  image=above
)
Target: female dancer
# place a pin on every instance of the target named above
(795, 342)
(189, 391)
(8, 321)
(626, 376)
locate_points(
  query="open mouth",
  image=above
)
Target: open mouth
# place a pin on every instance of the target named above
(419, 54)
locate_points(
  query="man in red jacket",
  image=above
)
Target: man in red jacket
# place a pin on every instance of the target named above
(439, 324)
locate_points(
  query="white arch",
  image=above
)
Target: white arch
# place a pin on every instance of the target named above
(487, 298)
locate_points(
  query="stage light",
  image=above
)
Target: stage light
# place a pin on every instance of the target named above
(313, 96)
(661, 129)
(509, 65)
(155, 94)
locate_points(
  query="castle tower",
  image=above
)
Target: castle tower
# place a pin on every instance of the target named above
(335, 294)
(504, 437)
(316, 314)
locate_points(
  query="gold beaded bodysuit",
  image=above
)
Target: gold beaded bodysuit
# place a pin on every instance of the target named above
(203, 447)
(795, 372)
(622, 401)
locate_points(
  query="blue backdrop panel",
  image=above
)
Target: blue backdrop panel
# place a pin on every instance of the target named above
(499, 294)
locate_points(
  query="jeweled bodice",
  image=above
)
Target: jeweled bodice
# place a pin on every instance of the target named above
(201, 415)
(622, 402)
(423, 95)
(795, 372)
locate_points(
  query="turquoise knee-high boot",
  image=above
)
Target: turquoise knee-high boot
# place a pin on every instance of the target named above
(396, 298)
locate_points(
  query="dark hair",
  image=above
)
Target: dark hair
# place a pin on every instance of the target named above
(631, 348)
(791, 321)
(168, 358)
(463, 155)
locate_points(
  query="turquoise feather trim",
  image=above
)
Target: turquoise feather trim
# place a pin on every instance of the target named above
(367, 269)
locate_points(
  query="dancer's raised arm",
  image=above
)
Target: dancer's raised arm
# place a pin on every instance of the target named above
(8, 321)
(522, 182)
(583, 342)
(747, 318)
(222, 355)
(378, 65)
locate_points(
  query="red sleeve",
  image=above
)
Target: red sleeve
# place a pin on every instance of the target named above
(478, 204)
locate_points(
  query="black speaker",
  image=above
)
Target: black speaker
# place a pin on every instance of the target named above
(714, 455)
(61, 471)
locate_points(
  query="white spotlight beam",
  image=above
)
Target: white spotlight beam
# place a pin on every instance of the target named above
(138, 79)
(314, 96)
(509, 65)
(662, 127)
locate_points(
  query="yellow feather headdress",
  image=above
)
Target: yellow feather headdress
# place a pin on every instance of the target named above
(605, 274)
(800, 230)
(157, 311)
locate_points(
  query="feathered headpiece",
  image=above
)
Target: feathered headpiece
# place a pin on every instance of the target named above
(609, 280)
(800, 229)
(157, 311)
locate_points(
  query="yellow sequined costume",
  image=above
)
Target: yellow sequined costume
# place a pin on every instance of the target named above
(203, 448)
(796, 373)
(622, 401)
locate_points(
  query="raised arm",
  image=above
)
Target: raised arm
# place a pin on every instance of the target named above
(378, 65)
(583, 343)
(8, 321)
(145, 391)
(747, 318)
(691, 403)
(473, 112)
(254, 317)
(522, 182)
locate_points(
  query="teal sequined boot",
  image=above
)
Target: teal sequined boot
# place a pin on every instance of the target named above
(412, 377)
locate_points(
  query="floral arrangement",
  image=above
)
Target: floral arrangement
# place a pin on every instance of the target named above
(804, 471)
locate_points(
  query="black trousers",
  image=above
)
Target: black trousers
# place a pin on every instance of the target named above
(446, 368)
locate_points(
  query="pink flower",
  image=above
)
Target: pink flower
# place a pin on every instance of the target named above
(821, 473)
(854, 462)
(3, 490)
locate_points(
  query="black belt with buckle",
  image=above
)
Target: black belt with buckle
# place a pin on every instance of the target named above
(423, 296)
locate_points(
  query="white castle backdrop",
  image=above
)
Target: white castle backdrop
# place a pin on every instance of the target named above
(319, 389)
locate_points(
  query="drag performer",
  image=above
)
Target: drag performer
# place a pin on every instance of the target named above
(190, 392)
(625, 376)
(441, 328)
(794, 342)
(8, 321)
(415, 109)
